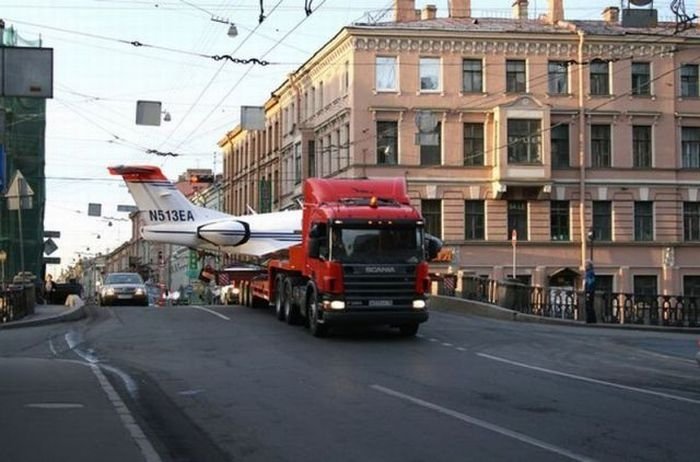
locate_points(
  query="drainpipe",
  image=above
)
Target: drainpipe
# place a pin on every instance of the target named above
(582, 149)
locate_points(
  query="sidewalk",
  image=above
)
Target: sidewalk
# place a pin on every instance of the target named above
(47, 314)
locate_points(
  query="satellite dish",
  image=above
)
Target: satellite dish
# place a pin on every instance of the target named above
(640, 2)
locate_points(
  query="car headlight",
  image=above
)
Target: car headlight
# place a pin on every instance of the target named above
(419, 304)
(235, 291)
(139, 291)
(109, 291)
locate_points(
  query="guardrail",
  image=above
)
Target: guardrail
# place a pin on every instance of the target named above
(610, 307)
(16, 301)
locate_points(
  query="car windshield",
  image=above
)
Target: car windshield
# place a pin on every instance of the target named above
(123, 279)
(387, 245)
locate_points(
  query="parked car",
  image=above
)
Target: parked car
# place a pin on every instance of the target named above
(127, 288)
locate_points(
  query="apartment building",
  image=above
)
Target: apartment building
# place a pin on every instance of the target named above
(553, 140)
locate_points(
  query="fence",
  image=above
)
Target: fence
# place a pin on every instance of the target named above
(16, 301)
(610, 307)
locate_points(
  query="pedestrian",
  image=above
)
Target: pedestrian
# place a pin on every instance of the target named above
(589, 288)
(49, 289)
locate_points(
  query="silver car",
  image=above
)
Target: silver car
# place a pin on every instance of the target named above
(126, 288)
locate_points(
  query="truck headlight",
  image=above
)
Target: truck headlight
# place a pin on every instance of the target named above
(334, 304)
(419, 304)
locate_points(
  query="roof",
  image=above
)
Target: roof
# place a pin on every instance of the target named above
(528, 26)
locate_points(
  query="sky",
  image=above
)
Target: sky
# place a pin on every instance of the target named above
(99, 76)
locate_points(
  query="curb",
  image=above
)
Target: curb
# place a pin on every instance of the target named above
(69, 315)
(486, 310)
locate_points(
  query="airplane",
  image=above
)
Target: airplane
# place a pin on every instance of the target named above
(169, 217)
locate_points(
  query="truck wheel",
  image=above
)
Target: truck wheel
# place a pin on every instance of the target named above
(317, 329)
(291, 313)
(279, 298)
(408, 330)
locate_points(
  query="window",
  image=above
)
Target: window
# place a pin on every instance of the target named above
(473, 144)
(600, 77)
(604, 283)
(559, 137)
(429, 74)
(515, 76)
(602, 220)
(643, 221)
(297, 163)
(430, 155)
(645, 285)
(641, 146)
(558, 77)
(691, 221)
(346, 77)
(472, 76)
(431, 209)
(387, 142)
(320, 96)
(474, 220)
(691, 286)
(524, 141)
(690, 147)
(689, 80)
(641, 79)
(385, 68)
(600, 146)
(559, 220)
(517, 219)
(311, 145)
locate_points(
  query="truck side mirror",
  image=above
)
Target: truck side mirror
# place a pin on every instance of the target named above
(433, 245)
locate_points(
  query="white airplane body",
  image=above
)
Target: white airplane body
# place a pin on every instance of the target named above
(169, 217)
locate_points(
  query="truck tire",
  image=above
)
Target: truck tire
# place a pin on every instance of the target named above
(408, 330)
(279, 298)
(291, 312)
(315, 328)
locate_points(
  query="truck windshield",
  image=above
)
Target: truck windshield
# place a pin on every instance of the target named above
(388, 245)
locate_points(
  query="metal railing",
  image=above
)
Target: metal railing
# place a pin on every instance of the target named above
(610, 307)
(16, 301)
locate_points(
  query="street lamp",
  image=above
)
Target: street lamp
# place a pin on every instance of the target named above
(591, 239)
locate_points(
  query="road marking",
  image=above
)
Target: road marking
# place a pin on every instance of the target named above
(147, 450)
(460, 349)
(54, 405)
(51, 347)
(431, 339)
(483, 424)
(590, 380)
(197, 307)
(191, 392)
(446, 344)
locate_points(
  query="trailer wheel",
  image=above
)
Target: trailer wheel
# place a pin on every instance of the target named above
(408, 330)
(317, 329)
(279, 298)
(291, 313)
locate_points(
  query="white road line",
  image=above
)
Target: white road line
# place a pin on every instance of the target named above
(590, 380)
(196, 307)
(461, 349)
(51, 347)
(446, 344)
(149, 453)
(483, 424)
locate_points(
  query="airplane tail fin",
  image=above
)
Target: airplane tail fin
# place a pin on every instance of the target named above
(157, 198)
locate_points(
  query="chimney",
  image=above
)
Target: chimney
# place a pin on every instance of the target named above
(429, 12)
(520, 9)
(459, 8)
(611, 15)
(404, 10)
(556, 11)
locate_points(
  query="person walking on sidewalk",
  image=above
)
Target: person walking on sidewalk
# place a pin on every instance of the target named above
(49, 289)
(589, 288)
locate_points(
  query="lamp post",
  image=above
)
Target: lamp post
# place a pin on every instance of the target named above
(591, 239)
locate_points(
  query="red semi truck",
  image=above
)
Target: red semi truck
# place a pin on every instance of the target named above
(363, 259)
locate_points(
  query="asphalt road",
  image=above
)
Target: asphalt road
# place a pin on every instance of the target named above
(231, 383)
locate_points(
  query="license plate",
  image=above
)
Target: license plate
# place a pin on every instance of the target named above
(123, 296)
(380, 303)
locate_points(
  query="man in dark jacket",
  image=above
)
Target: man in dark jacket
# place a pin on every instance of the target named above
(589, 288)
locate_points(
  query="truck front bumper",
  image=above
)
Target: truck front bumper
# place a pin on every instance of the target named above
(370, 317)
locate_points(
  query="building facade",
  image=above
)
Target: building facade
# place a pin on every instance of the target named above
(530, 145)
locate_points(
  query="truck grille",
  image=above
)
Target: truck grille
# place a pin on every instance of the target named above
(379, 287)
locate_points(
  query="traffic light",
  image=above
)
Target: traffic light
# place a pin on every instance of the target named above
(198, 179)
